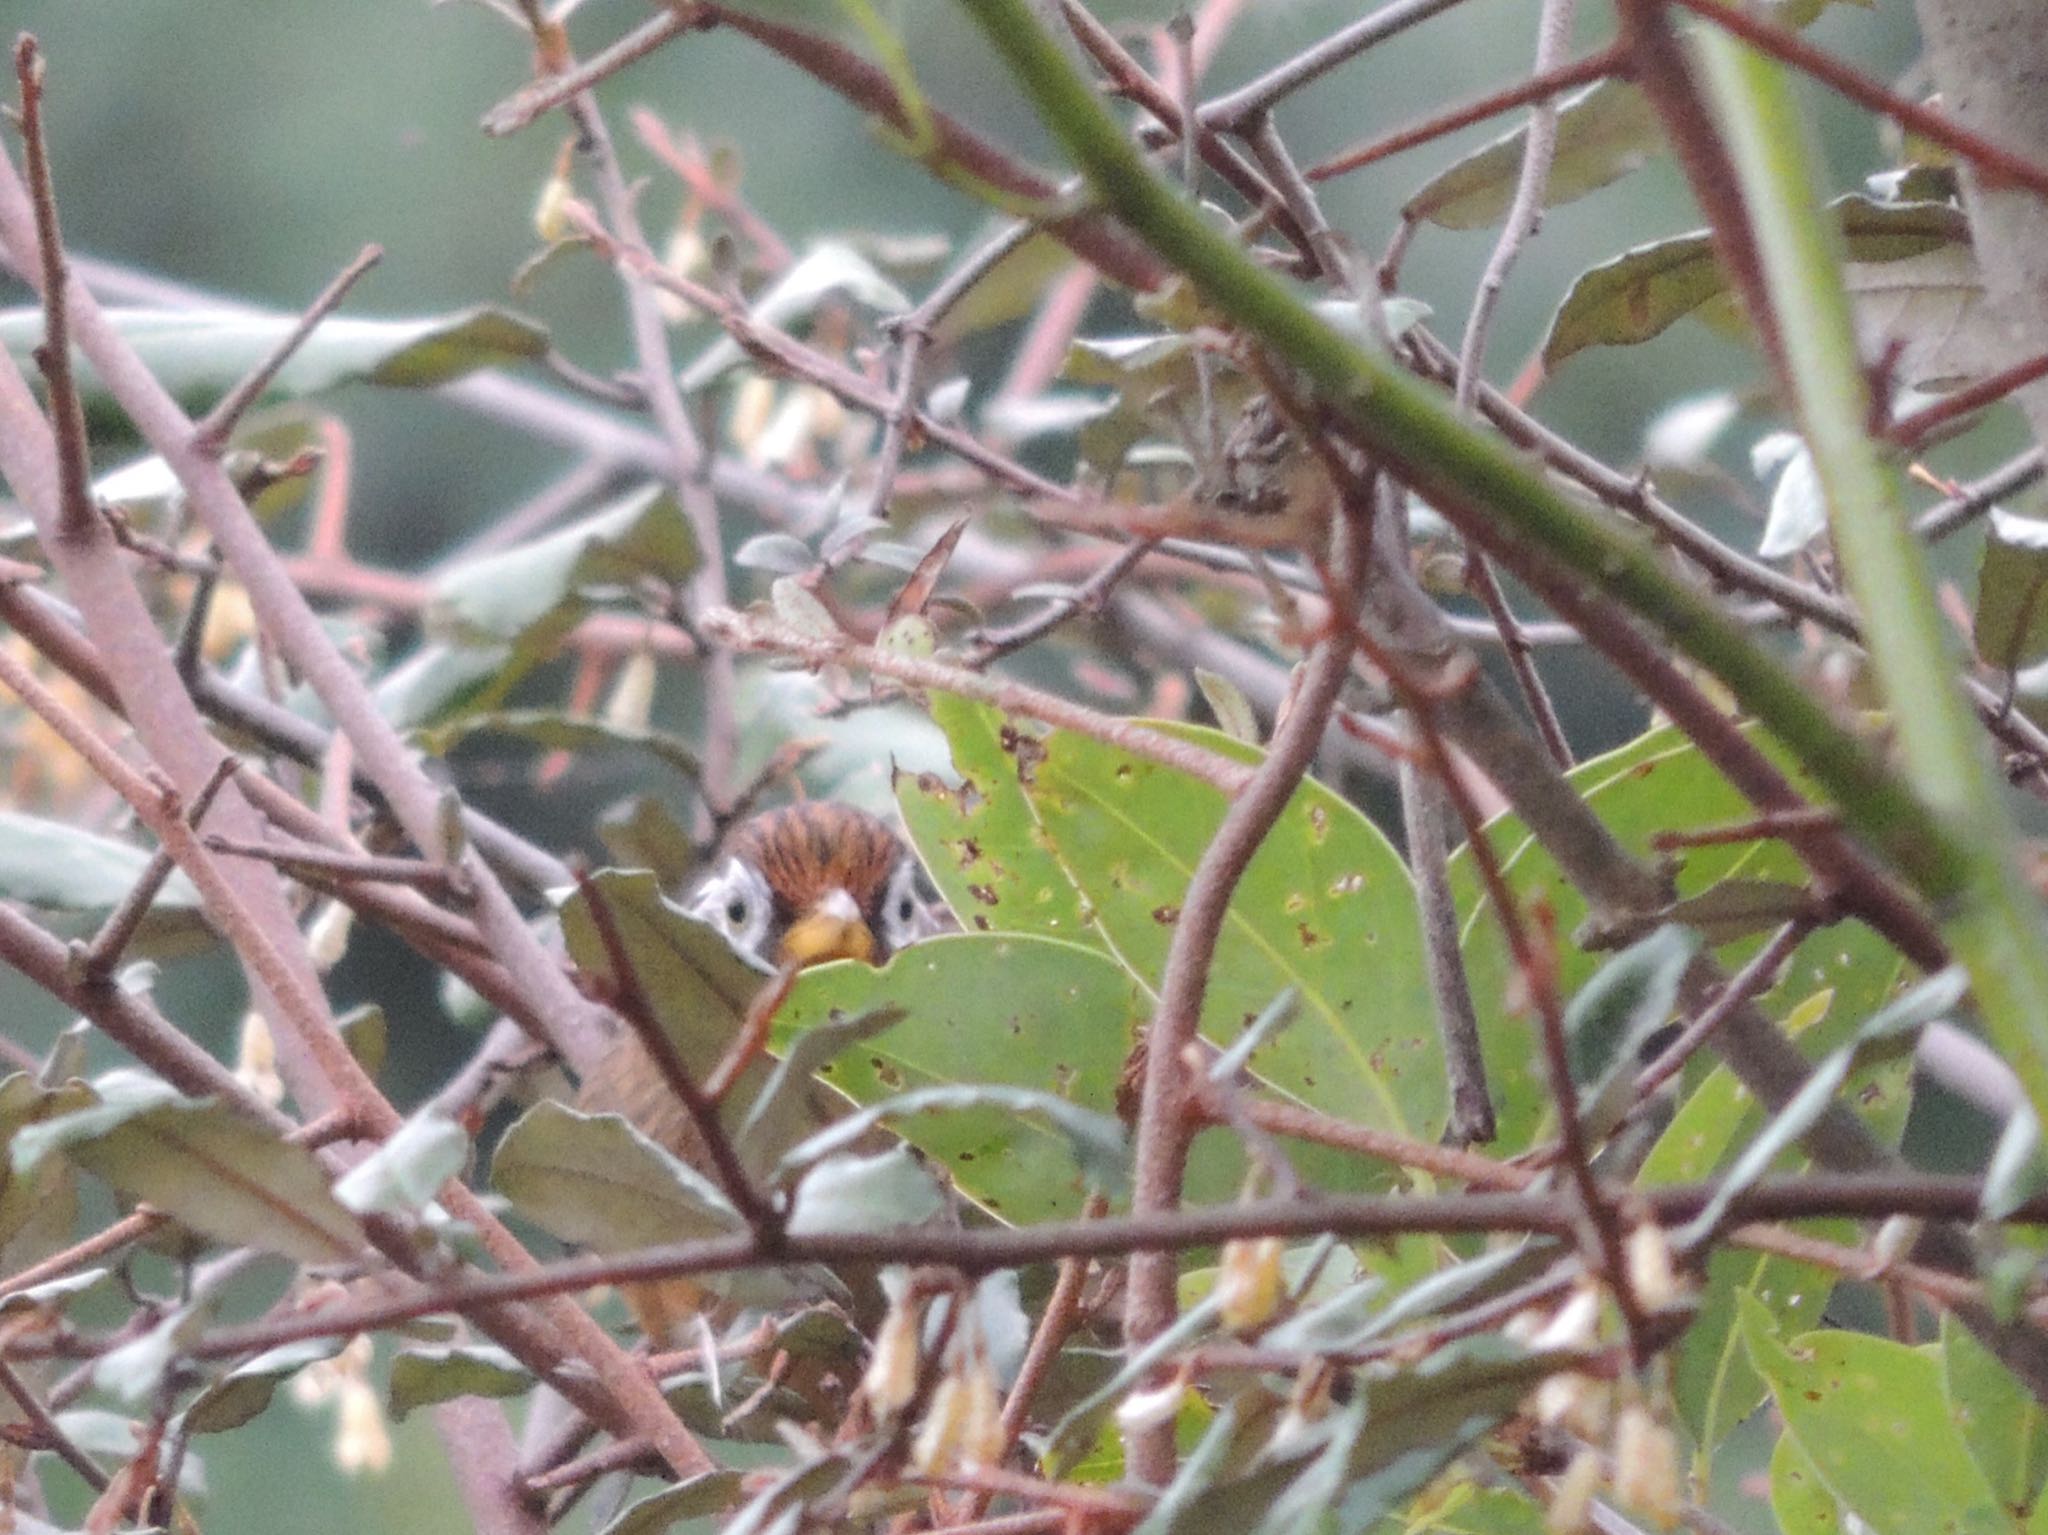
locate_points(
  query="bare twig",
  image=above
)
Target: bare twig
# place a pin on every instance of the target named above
(212, 433)
(1165, 1126)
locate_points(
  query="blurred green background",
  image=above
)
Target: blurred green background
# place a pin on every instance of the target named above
(253, 149)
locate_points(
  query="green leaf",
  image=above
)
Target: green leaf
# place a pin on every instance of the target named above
(2012, 592)
(1363, 1461)
(367, 1036)
(712, 1493)
(1325, 906)
(1233, 711)
(498, 597)
(644, 833)
(204, 1165)
(594, 1179)
(864, 1193)
(1628, 999)
(1659, 782)
(113, 1436)
(37, 1208)
(698, 986)
(1862, 1408)
(554, 730)
(1713, 1383)
(1798, 512)
(980, 840)
(1095, 1141)
(805, 1056)
(245, 1391)
(200, 356)
(421, 1377)
(407, 1170)
(52, 1294)
(1799, 1498)
(2005, 1428)
(988, 1010)
(830, 270)
(59, 869)
(1642, 292)
(1603, 133)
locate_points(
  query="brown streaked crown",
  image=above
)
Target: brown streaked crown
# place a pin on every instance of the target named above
(806, 849)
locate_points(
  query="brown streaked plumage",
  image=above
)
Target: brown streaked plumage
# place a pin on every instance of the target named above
(811, 882)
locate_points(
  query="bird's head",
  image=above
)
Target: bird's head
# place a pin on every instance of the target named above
(814, 882)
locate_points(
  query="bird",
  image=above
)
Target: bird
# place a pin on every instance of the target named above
(816, 881)
(798, 886)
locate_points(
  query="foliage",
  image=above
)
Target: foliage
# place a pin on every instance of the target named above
(1143, 561)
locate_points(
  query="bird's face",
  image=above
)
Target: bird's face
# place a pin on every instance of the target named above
(815, 882)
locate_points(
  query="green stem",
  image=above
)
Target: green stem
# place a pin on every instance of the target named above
(1996, 927)
(1503, 504)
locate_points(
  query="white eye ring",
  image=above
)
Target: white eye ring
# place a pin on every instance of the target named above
(906, 915)
(737, 901)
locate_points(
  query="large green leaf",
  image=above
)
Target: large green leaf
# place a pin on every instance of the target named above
(498, 597)
(200, 356)
(999, 1009)
(205, 1165)
(1873, 1419)
(37, 1208)
(1324, 907)
(556, 730)
(2005, 1428)
(979, 838)
(1603, 133)
(1643, 291)
(595, 1179)
(1658, 782)
(63, 871)
(2012, 592)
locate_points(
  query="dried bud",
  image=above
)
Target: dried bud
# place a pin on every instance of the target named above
(683, 257)
(631, 704)
(1571, 1498)
(1152, 1406)
(891, 1378)
(1646, 1466)
(327, 935)
(1650, 1274)
(256, 1059)
(753, 402)
(1249, 1283)
(551, 208)
(936, 1449)
(362, 1437)
(981, 1433)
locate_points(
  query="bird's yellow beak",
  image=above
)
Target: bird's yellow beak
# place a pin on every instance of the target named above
(831, 929)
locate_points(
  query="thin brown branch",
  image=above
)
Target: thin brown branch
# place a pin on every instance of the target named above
(1538, 87)
(1165, 1126)
(555, 88)
(1909, 432)
(103, 952)
(955, 152)
(47, 1434)
(987, 1250)
(53, 353)
(345, 867)
(746, 631)
(1997, 164)
(212, 433)
(1232, 112)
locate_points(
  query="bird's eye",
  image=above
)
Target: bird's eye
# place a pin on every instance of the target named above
(736, 911)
